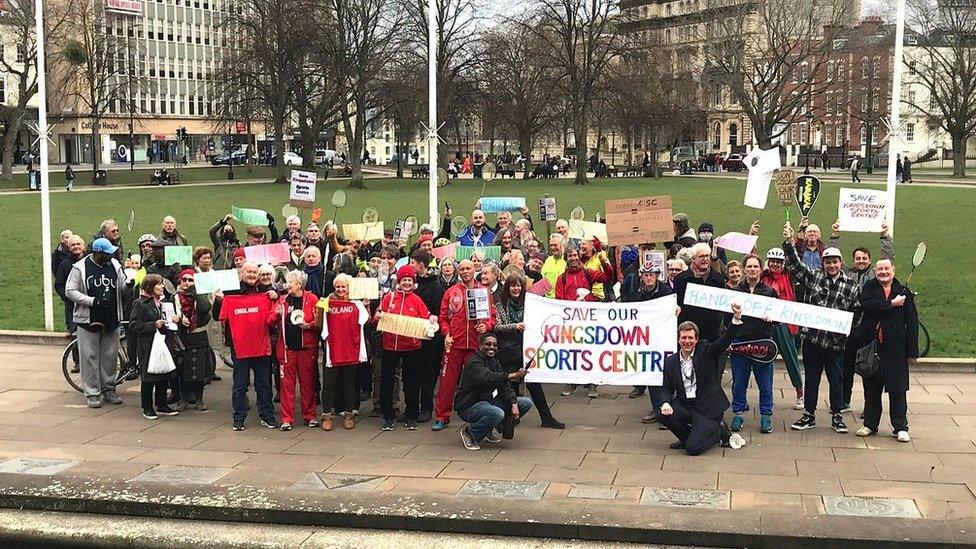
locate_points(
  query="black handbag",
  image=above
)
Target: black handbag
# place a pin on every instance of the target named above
(867, 362)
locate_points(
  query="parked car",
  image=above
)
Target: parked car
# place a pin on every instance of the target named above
(734, 163)
(292, 159)
(324, 156)
(238, 157)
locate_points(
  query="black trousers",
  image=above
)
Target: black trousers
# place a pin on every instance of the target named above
(539, 401)
(696, 430)
(151, 401)
(339, 380)
(897, 406)
(433, 352)
(850, 353)
(412, 374)
(818, 360)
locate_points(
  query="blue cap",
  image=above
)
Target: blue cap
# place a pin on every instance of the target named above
(104, 245)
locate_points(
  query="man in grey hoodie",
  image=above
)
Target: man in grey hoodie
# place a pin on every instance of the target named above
(95, 286)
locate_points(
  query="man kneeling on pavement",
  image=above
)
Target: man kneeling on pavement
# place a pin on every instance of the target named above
(485, 395)
(693, 401)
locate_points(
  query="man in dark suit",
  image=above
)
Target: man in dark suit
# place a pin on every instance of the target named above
(694, 401)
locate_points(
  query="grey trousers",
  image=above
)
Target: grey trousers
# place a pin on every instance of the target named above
(98, 360)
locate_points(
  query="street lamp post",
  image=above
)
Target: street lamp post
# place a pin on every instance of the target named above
(806, 169)
(230, 155)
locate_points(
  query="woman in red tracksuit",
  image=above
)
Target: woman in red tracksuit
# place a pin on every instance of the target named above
(297, 349)
(402, 351)
(576, 283)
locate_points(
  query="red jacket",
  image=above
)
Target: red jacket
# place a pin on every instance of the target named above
(570, 281)
(783, 284)
(454, 317)
(310, 338)
(406, 304)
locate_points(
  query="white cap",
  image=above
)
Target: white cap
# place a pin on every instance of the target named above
(831, 252)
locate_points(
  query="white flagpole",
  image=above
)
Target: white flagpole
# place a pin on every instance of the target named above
(45, 180)
(894, 131)
(432, 110)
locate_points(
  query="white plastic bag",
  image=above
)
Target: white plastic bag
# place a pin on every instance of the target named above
(160, 359)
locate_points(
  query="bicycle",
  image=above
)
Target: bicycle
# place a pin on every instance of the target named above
(69, 363)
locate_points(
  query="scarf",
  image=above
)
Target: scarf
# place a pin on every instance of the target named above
(515, 310)
(315, 280)
(188, 306)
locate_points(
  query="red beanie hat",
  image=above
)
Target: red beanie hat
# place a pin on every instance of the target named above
(407, 272)
(425, 238)
(186, 272)
(239, 252)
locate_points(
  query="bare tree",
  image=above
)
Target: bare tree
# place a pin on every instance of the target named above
(580, 42)
(946, 67)
(767, 54)
(18, 20)
(90, 54)
(519, 82)
(318, 96)
(403, 82)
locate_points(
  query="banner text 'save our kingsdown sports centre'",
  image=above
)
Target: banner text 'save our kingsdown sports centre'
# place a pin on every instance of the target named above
(603, 343)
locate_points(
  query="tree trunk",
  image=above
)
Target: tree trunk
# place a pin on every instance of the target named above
(958, 155)
(579, 134)
(278, 119)
(867, 148)
(95, 148)
(9, 142)
(356, 148)
(525, 147)
(399, 147)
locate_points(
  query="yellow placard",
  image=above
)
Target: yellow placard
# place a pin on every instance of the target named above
(407, 326)
(361, 231)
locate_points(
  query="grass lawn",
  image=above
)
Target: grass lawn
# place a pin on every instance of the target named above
(939, 216)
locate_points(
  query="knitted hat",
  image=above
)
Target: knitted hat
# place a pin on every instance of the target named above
(187, 272)
(425, 238)
(239, 252)
(406, 272)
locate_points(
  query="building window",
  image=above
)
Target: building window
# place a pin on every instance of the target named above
(717, 136)
(864, 133)
(3, 89)
(733, 134)
(718, 96)
(911, 97)
(839, 138)
(21, 53)
(912, 68)
(910, 132)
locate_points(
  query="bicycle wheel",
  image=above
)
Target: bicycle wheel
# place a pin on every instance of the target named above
(69, 365)
(923, 340)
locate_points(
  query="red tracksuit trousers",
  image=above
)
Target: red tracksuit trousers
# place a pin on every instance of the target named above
(448, 381)
(300, 365)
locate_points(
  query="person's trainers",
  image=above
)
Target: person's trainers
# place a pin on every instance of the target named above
(150, 414)
(111, 397)
(592, 392)
(651, 417)
(469, 442)
(313, 423)
(269, 423)
(424, 417)
(494, 436)
(200, 406)
(285, 426)
(902, 436)
(798, 403)
(837, 424)
(166, 411)
(636, 392)
(238, 424)
(568, 390)
(865, 431)
(808, 421)
(388, 424)
(411, 425)
(845, 408)
(94, 402)
(765, 425)
(438, 425)
(737, 422)
(678, 445)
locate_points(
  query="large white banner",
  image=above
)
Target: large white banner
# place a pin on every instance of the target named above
(778, 310)
(603, 343)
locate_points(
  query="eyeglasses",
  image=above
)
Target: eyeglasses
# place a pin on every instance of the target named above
(187, 279)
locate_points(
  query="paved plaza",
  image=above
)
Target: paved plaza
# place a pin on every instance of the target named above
(606, 468)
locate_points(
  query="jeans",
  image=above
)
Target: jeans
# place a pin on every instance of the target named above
(488, 414)
(741, 368)
(818, 360)
(242, 376)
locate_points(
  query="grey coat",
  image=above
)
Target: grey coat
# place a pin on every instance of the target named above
(76, 290)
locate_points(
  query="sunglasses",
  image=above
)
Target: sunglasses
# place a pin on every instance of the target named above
(187, 279)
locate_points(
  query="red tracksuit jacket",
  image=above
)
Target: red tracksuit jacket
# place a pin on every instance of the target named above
(454, 317)
(406, 304)
(570, 281)
(310, 338)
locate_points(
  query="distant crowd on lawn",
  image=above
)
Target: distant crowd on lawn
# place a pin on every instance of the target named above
(295, 324)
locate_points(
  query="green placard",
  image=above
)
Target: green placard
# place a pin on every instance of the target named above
(250, 216)
(182, 255)
(491, 253)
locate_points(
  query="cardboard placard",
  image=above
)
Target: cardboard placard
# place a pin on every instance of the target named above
(653, 258)
(495, 204)
(637, 220)
(861, 210)
(211, 281)
(407, 326)
(302, 189)
(362, 231)
(737, 242)
(178, 255)
(401, 230)
(449, 250)
(491, 253)
(250, 216)
(364, 288)
(585, 230)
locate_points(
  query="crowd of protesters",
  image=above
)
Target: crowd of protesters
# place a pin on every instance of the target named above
(295, 324)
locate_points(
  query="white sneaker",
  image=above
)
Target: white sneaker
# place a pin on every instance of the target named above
(864, 432)
(798, 404)
(902, 436)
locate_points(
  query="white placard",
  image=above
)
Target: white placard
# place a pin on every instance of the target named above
(761, 165)
(603, 343)
(302, 188)
(585, 230)
(777, 310)
(364, 288)
(169, 311)
(478, 306)
(861, 210)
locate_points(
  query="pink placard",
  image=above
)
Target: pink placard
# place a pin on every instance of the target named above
(445, 251)
(541, 287)
(275, 254)
(737, 242)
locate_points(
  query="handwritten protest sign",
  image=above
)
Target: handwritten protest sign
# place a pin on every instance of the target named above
(364, 288)
(302, 189)
(602, 343)
(363, 231)
(407, 326)
(778, 310)
(861, 210)
(178, 255)
(250, 216)
(275, 254)
(211, 281)
(491, 253)
(652, 259)
(737, 242)
(541, 287)
(441, 252)
(637, 220)
(585, 230)
(495, 204)
(761, 165)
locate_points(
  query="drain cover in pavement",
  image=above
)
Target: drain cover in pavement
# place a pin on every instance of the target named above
(36, 466)
(338, 481)
(871, 507)
(672, 497)
(177, 474)
(505, 489)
